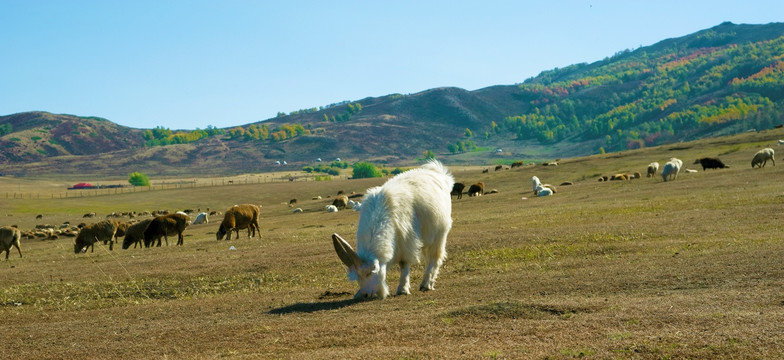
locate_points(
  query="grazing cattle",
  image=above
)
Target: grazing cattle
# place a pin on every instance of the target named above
(457, 189)
(245, 216)
(517, 164)
(498, 167)
(400, 222)
(10, 236)
(485, 171)
(134, 234)
(101, 231)
(340, 202)
(477, 189)
(710, 163)
(165, 225)
(761, 158)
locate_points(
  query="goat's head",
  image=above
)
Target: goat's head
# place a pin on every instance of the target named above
(364, 272)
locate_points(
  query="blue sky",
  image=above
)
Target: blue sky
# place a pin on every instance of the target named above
(190, 64)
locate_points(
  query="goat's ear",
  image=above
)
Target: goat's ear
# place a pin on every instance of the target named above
(345, 252)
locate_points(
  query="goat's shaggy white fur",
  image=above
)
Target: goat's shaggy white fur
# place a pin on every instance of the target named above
(543, 191)
(331, 208)
(671, 169)
(406, 218)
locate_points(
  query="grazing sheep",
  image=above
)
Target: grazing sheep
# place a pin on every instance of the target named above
(331, 208)
(457, 189)
(498, 167)
(761, 158)
(407, 218)
(245, 216)
(10, 236)
(134, 234)
(653, 168)
(619, 177)
(636, 175)
(89, 215)
(517, 164)
(297, 210)
(543, 191)
(201, 218)
(671, 169)
(710, 163)
(476, 190)
(340, 202)
(292, 202)
(164, 225)
(101, 231)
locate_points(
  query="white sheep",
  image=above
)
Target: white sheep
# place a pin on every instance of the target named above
(331, 208)
(543, 191)
(653, 168)
(671, 169)
(761, 158)
(414, 225)
(355, 205)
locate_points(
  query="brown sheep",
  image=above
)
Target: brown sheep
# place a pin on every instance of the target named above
(620, 177)
(517, 164)
(134, 234)
(100, 231)
(163, 226)
(457, 189)
(10, 236)
(477, 189)
(340, 202)
(240, 217)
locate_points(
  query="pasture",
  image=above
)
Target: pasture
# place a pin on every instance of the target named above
(624, 269)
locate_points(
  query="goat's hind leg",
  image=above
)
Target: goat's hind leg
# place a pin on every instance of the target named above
(434, 257)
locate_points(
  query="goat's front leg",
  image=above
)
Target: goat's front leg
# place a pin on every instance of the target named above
(404, 288)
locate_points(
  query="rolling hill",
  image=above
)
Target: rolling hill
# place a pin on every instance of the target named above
(722, 80)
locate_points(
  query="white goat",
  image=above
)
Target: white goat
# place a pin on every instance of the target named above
(535, 183)
(201, 218)
(671, 169)
(331, 208)
(406, 218)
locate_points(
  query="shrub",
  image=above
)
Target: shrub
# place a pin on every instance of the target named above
(138, 179)
(365, 170)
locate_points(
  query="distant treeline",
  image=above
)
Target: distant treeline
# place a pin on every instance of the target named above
(645, 97)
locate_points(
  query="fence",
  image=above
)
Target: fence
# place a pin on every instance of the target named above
(77, 193)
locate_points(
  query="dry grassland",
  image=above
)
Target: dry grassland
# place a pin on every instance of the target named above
(637, 269)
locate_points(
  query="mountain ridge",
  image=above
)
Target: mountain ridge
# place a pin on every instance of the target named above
(721, 80)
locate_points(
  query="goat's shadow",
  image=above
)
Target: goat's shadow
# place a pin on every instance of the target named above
(313, 307)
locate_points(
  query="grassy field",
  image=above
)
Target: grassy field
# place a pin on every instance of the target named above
(634, 269)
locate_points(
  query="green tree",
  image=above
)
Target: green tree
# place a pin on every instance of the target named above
(429, 154)
(365, 170)
(138, 179)
(468, 133)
